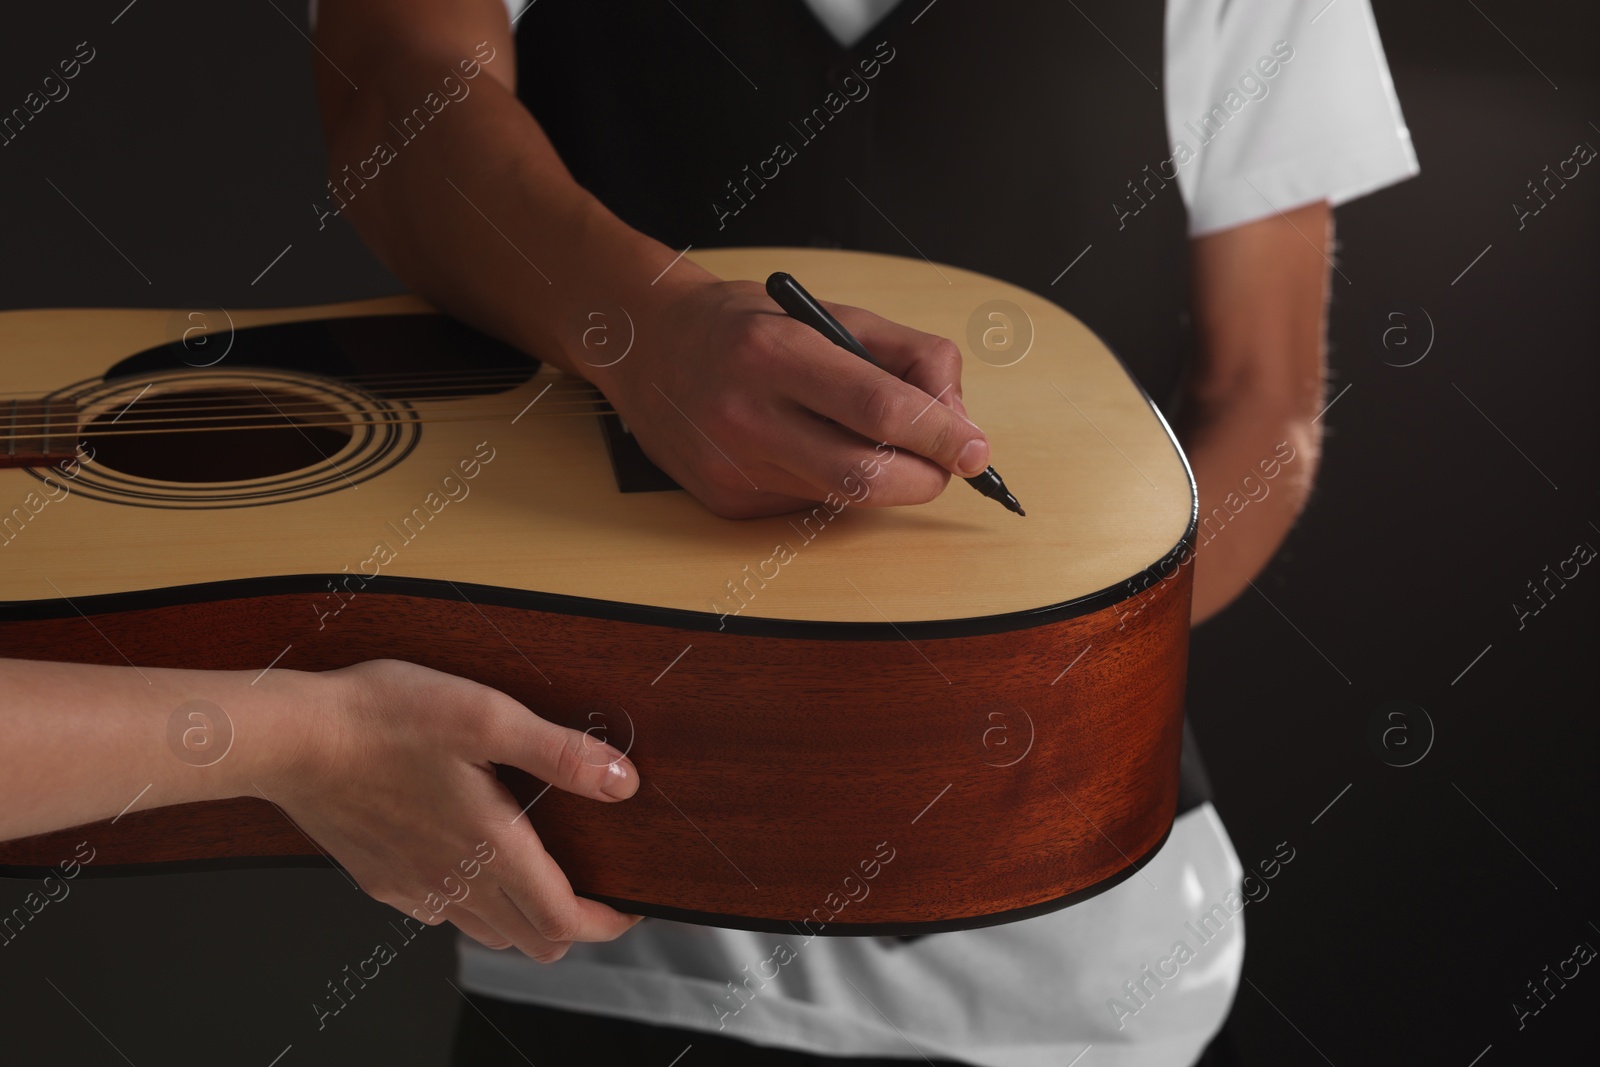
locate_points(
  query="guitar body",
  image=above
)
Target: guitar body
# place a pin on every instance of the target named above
(872, 720)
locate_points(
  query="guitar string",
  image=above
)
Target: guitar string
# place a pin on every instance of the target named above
(289, 424)
(524, 370)
(311, 409)
(400, 383)
(226, 405)
(437, 379)
(324, 417)
(284, 394)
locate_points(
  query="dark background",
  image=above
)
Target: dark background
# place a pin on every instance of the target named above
(1417, 906)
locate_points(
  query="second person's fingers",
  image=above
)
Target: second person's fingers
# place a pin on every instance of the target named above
(538, 912)
(474, 927)
(573, 760)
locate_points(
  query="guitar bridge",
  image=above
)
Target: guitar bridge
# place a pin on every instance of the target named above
(39, 432)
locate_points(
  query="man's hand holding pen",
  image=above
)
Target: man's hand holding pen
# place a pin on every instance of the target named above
(756, 413)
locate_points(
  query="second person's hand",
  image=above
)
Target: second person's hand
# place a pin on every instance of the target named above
(400, 788)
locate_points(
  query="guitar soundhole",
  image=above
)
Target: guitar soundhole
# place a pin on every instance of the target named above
(284, 412)
(232, 438)
(218, 435)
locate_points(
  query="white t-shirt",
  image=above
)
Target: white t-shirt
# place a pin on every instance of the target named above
(1033, 993)
(1270, 104)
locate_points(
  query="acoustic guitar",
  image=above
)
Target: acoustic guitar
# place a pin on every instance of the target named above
(958, 717)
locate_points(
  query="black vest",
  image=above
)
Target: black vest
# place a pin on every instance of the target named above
(1000, 136)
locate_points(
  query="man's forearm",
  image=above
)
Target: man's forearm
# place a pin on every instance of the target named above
(1254, 464)
(477, 212)
(1249, 422)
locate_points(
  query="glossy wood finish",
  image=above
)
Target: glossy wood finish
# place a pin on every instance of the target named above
(773, 768)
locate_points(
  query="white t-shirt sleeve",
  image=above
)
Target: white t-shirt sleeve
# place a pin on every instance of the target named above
(1256, 130)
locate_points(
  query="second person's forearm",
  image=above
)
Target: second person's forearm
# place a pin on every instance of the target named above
(85, 743)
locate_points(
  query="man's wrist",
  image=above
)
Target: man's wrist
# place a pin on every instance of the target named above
(632, 273)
